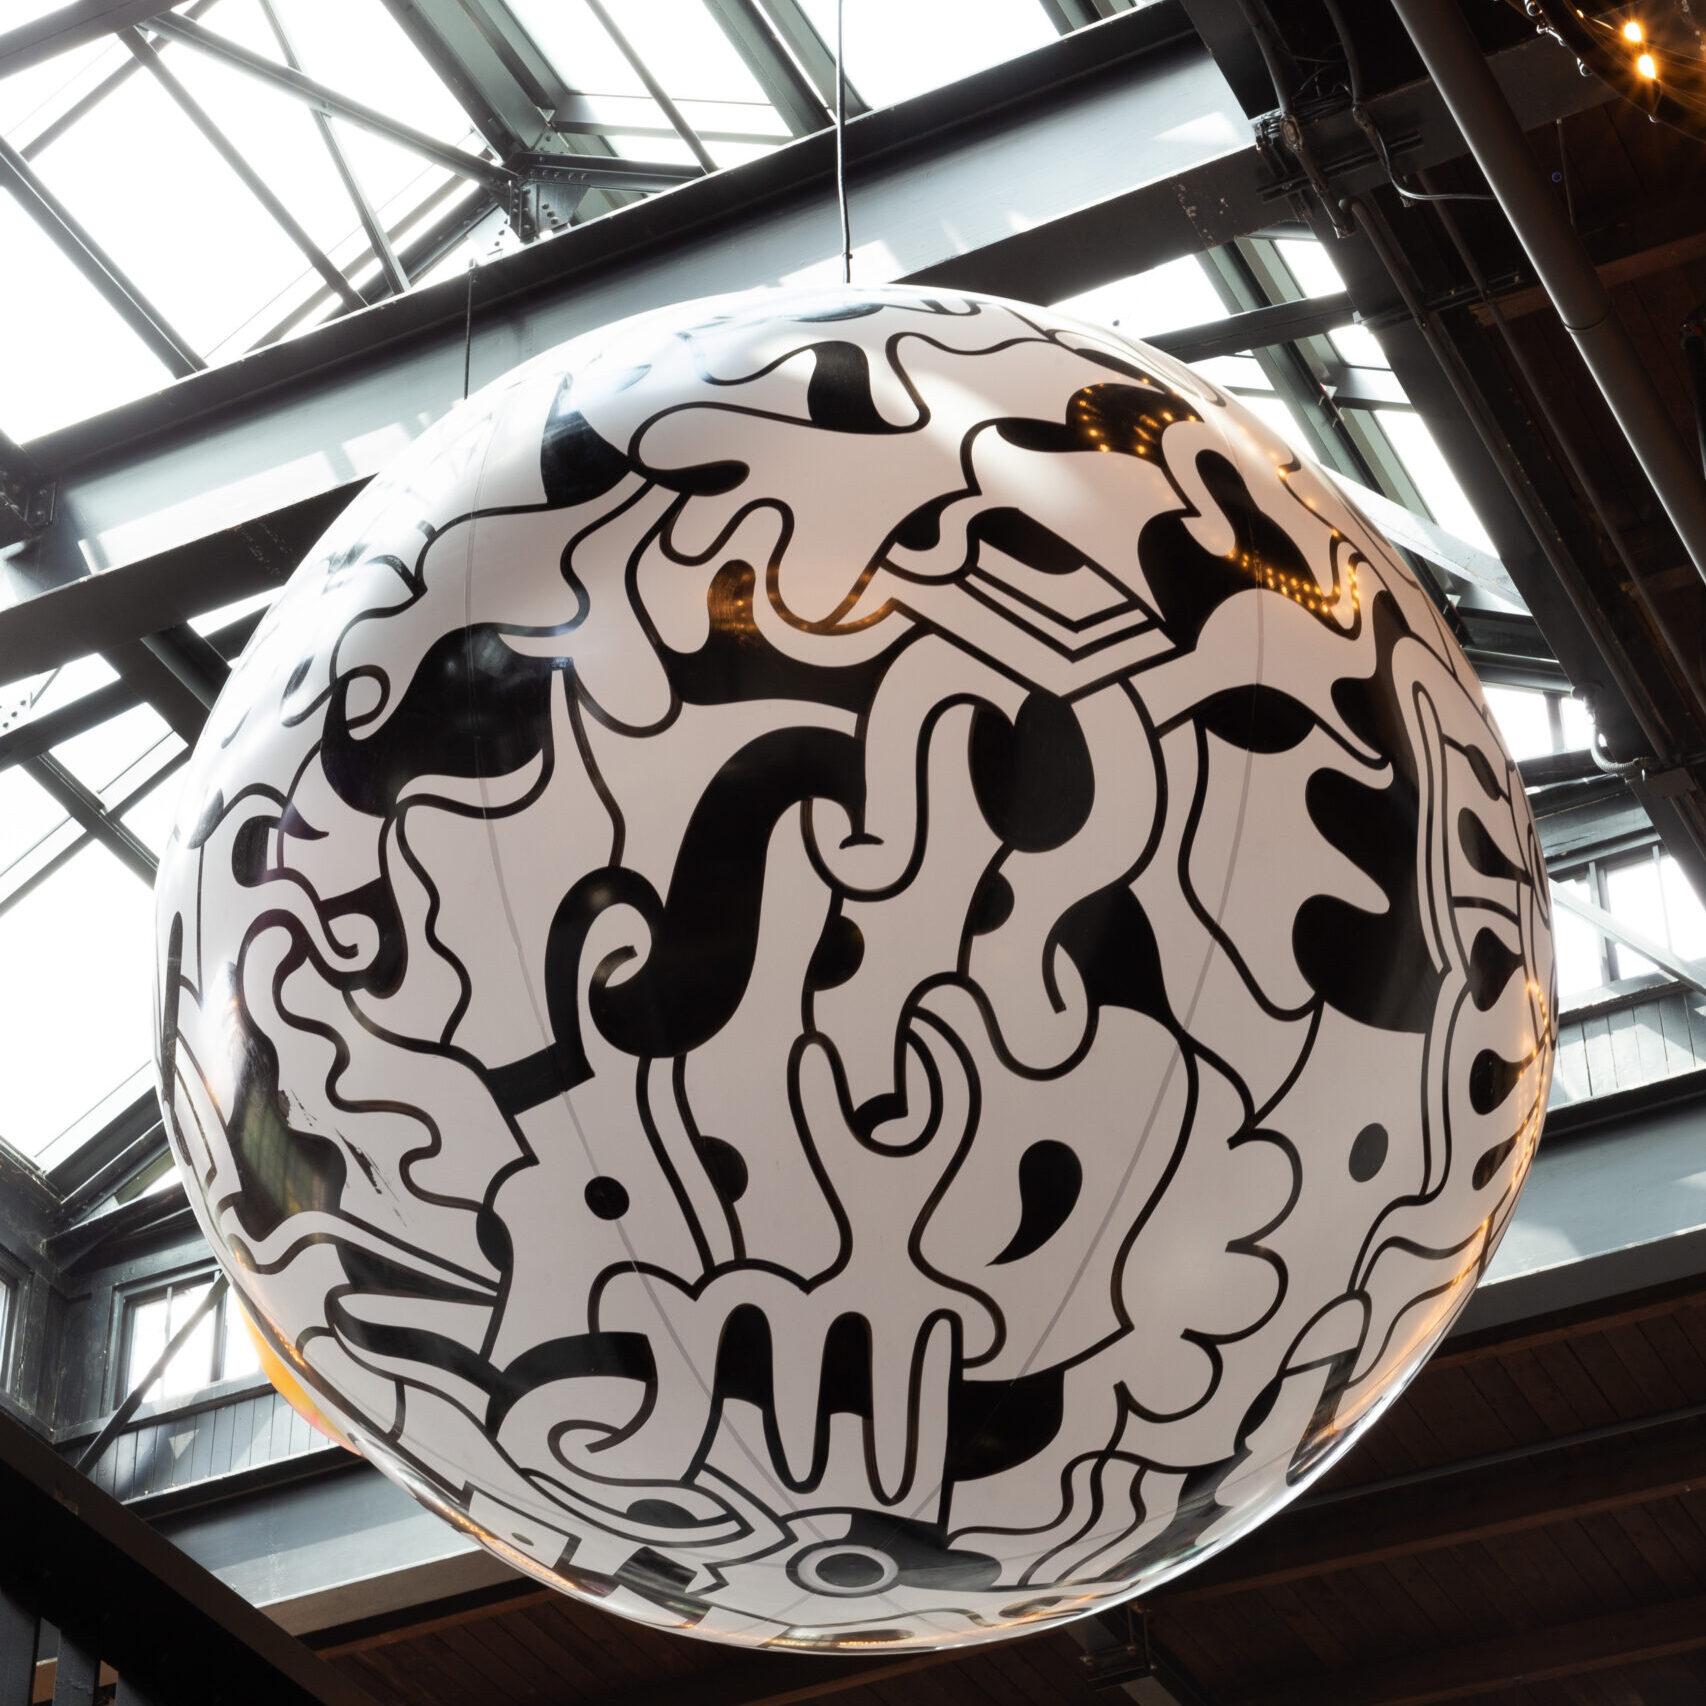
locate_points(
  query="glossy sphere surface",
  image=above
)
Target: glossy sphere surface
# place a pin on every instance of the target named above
(851, 969)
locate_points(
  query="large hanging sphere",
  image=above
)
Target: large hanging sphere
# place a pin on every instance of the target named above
(851, 968)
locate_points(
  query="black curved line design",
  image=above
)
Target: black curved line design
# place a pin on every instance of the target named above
(831, 1024)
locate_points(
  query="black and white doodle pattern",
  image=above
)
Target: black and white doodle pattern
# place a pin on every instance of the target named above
(850, 968)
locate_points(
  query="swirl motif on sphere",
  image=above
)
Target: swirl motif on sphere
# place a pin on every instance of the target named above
(852, 968)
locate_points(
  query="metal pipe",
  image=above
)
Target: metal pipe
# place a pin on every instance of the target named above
(1454, 61)
(1694, 353)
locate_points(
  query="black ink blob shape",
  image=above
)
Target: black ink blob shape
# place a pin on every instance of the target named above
(702, 938)
(1032, 777)
(281, 1169)
(581, 1356)
(922, 528)
(249, 850)
(1256, 718)
(653, 1571)
(995, 1425)
(606, 1197)
(1491, 966)
(1489, 1164)
(1368, 1153)
(1050, 1178)
(473, 707)
(492, 1235)
(1188, 583)
(737, 664)
(1483, 852)
(991, 906)
(1104, 417)
(838, 954)
(849, 1571)
(205, 825)
(1375, 966)
(1109, 939)
(839, 396)
(1026, 541)
(724, 1167)
(575, 463)
(1482, 771)
(660, 1513)
(703, 480)
(1491, 1080)
(293, 823)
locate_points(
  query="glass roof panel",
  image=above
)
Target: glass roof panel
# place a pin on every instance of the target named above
(358, 48)
(1359, 346)
(27, 814)
(897, 48)
(1163, 299)
(153, 193)
(104, 758)
(1310, 265)
(579, 47)
(33, 98)
(1433, 476)
(150, 817)
(79, 357)
(685, 50)
(75, 1024)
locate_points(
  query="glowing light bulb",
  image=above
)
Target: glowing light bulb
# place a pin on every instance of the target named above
(1632, 31)
(1647, 66)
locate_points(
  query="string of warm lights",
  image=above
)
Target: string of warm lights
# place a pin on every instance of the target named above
(1654, 60)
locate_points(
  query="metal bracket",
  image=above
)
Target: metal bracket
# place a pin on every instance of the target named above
(1283, 135)
(26, 507)
(28, 497)
(539, 208)
(1124, 1656)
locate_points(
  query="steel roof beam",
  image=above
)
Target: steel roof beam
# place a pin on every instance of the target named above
(68, 235)
(68, 27)
(1070, 15)
(798, 34)
(498, 105)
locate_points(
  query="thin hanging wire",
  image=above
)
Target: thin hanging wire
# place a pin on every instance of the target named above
(841, 148)
(468, 333)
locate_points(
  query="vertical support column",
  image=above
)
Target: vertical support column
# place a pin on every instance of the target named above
(75, 1675)
(17, 1652)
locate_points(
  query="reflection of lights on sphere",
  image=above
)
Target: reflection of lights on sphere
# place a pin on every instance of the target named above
(850, 968)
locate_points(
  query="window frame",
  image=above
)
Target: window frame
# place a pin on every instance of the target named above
(132, 1298)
